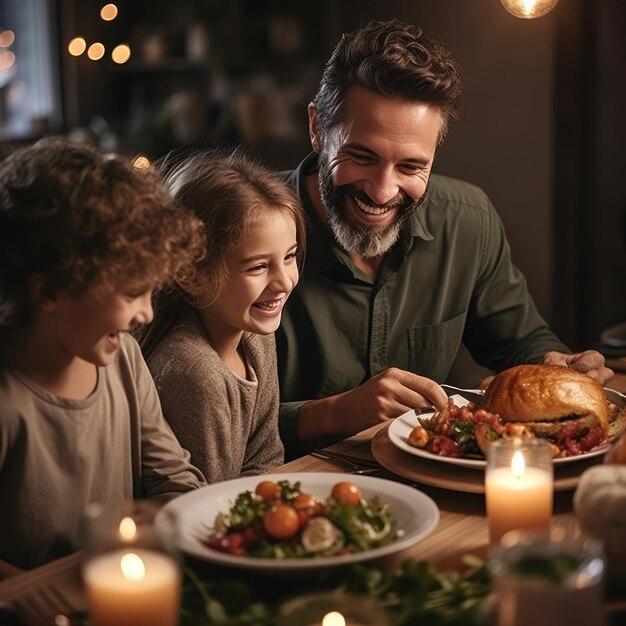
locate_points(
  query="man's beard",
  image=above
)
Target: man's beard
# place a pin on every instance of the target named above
(364, 240)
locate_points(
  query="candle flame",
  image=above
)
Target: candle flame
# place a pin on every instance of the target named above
(128, 529)
(333, 618)
(133, 567)
(518, 465)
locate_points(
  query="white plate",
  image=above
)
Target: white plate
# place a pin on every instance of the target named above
(402, 426)
(414, 511)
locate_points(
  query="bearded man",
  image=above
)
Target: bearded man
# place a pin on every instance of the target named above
(402, 265)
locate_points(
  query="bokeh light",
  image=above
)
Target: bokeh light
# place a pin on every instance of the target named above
(7, 37)
(7, 59)
(77, 46)
(108, 12)
(95, 51)
(141, 162)
(121, 53)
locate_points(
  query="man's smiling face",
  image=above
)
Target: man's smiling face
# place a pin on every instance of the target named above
(374, 168)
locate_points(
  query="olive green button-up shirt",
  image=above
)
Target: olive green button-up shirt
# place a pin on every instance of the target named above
(450, 279)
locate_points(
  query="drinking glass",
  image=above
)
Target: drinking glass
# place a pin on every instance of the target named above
(544, 581)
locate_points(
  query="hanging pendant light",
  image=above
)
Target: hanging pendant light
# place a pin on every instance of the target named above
(528, 9)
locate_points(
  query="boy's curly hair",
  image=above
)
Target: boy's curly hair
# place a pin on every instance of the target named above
(83, 220)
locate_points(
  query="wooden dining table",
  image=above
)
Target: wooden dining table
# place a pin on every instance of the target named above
(40, 594)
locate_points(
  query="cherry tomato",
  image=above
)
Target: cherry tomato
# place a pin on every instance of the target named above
(268, 490)
(231, 544)
(304, 515)
(281, 522)
(348, 493)
(306, 502)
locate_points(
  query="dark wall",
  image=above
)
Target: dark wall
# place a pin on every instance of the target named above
(590, 160)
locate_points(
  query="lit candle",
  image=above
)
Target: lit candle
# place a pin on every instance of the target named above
(518, 487)
(331, 609)
(133, 587)
(334, 618)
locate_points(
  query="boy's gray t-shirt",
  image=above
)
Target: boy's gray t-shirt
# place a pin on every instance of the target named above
(57, 455)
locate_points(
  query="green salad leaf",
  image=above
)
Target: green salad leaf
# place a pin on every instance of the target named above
(414, 594)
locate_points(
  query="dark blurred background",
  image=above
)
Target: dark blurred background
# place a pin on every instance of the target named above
(542, 127)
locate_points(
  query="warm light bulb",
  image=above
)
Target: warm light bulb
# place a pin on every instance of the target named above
(108, 12)
(333, 619)
(121, 53)
(128, 528)
(77, 46)
(132, 567)
(527, 9)
(95, 51)
(518, 465)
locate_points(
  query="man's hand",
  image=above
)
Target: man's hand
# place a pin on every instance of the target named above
(589, 362)
(385, 396)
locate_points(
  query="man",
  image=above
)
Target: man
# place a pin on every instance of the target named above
(402, 266)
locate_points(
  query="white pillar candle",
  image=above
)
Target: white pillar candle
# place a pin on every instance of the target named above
(518, 498)
(133, 587)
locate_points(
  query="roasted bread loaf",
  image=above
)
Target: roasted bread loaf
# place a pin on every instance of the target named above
(545, 395)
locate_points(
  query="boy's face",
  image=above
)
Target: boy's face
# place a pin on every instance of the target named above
(90, 327)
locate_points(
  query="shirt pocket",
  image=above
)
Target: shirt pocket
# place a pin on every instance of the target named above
(433, 348)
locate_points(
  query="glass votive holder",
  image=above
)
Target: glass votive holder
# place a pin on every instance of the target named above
(545, 581)
(132, 574)
(332, 609)
(519, 486)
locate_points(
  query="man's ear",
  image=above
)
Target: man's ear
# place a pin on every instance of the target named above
(35, 290)
(314, 129)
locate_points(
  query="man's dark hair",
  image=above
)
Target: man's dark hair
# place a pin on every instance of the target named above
(393, 59)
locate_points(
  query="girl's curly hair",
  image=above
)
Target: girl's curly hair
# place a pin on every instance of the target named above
(82, 220)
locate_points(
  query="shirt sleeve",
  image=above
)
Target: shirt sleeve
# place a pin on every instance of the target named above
(288, 427)
(166, 470)
(504, 328)
(264, 450)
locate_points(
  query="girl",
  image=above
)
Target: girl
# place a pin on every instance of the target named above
(211, 348)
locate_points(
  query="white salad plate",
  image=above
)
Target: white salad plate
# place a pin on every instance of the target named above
(415, 513)
(402, 426)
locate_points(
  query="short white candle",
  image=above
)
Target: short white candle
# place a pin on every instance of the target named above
(518, 498)
(133, 587)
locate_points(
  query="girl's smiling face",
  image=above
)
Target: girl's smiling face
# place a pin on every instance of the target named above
(262, 272)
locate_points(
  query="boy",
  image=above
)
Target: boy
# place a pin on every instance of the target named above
(84, 238)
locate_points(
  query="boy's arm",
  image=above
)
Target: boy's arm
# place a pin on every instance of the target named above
(165, 466)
